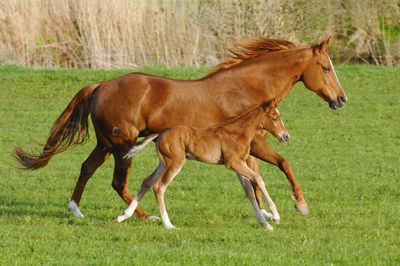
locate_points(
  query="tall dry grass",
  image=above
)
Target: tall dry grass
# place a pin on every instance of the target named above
(123, 33)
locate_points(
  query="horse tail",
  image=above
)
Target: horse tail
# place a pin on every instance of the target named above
(69, 129)
(139, 146)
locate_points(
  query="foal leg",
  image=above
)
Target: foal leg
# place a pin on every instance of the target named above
(147, 183)
(261, 150)
(254, 164)
(251, 196)
(98, 156)
(172, 168)
(120, 181)
(242, 169)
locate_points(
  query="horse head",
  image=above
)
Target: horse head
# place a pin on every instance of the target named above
(320, 77)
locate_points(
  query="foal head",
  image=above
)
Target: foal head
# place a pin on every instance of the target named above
(320, 77)
(272, 122)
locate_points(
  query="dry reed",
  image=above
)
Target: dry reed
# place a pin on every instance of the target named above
(125, 34)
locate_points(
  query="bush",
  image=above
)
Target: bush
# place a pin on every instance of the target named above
(125, 34)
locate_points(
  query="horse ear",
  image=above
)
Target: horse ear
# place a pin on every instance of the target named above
(317, 48)
(322, 47)
(324, 44)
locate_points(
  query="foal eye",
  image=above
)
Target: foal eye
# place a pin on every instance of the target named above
(326, 69)
(274, 119)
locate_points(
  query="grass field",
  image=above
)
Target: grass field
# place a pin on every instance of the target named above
(346, 161)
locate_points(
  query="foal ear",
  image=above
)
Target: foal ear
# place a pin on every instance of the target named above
(265, 105)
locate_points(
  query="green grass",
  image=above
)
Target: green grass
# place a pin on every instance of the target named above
(346, 162)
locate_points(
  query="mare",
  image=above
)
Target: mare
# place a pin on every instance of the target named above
(137, 105)
(227, 143)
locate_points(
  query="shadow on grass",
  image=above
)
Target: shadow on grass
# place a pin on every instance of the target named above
(21, 210)
(17, 208)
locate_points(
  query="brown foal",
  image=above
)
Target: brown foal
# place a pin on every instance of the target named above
(137, 105)
(227, 143)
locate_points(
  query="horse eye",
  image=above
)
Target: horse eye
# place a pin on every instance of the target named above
(274, 119)
(326, 69)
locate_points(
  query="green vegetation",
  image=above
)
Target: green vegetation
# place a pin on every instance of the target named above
(346, 162)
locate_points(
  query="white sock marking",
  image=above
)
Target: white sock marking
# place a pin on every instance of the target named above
(73, 207)
(267, 215)
(166, 221)
(128, 212)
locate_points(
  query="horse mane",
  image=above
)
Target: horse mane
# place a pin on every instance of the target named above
(250, 48)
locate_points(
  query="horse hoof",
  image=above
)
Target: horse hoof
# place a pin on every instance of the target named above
(277, 221)
(302, 208)
(267, 215)
(153, 218)
(120, 219)
(269, 227)
(77, 214)
(74, 209)
(172, 227)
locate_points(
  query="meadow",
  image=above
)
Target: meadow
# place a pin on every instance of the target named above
(346, 162)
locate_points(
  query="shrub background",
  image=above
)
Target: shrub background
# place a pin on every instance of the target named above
(125, 34)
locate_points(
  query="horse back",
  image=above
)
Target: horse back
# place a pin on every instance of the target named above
(129, 102)
(139, 104)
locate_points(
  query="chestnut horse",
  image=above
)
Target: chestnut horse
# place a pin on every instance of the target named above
(227, 143)
(137, 104)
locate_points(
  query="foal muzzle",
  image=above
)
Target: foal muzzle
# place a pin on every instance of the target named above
(284, 137)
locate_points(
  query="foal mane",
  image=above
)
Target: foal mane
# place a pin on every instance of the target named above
(250, 48)
(235, 118)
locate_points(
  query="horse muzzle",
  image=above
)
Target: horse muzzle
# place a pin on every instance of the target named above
(338, 103)
(284, 137)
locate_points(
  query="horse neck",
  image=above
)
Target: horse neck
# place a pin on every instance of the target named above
(265, 77)
(282, 72)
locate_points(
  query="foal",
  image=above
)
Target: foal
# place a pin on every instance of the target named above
(227, 143)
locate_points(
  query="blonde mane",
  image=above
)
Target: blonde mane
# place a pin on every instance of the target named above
(250, 48)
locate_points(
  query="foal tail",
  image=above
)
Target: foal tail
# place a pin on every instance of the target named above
(139, 146)
(69, 129)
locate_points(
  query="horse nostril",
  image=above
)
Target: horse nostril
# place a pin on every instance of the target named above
(342, 99)
(284, 137)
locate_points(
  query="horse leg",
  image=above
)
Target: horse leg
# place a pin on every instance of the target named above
(242, 169)
(260, 149)
(120, 181)
(147, 183)
(98, 156)
(254, 164)
(261, 218)
(172, 168)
